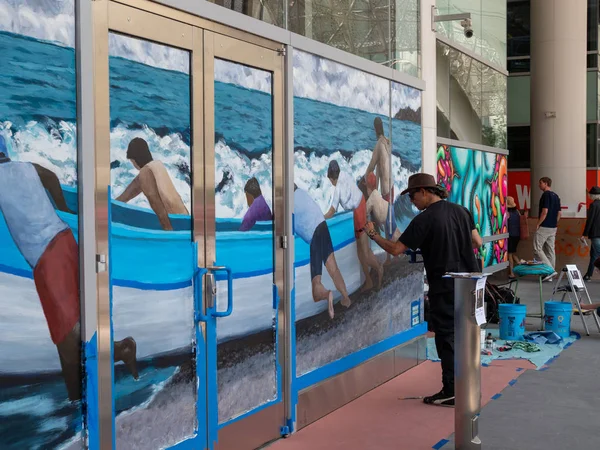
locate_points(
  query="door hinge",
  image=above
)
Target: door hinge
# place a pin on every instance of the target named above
(282, 51)
(283, 241)
(100, 263)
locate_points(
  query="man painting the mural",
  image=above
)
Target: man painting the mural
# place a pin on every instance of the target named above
(258, 209)
(154, 182)
(311, 226)
(49, 247)
(348, 195)
(380, 161)
(380, 211)
(446, 235)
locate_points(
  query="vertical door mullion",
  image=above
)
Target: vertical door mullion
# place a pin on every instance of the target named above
(102, 156)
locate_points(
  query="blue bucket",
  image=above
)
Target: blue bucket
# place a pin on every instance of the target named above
(512, 321)
(558, 317)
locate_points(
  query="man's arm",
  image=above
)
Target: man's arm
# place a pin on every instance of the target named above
(329, 214)
(132, 191)
(374, 159)
(476, 239)
(588, 221)
(393, 248)
(52, 184)
(543, 217)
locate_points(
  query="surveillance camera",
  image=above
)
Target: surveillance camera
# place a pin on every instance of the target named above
(468, 28)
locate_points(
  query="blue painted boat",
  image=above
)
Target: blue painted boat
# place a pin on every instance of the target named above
(136, 216)
(163, 260)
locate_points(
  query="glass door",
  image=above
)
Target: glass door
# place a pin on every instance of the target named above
(150, 172)
(244, 218)
(190, 219)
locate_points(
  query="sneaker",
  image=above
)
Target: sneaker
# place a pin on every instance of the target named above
(550, 277)
(440, 399)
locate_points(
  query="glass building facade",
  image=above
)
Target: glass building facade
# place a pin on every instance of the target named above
(471, 82)
(519, 83)
(383, 31)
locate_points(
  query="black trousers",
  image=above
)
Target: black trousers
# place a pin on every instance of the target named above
(444, 343)
(442, 324)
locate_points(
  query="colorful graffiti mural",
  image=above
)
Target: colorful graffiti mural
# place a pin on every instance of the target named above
(478, 181)
(351, 160)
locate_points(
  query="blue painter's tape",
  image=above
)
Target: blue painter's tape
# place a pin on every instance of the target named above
(440, 444)
(356, 358)
(291, 422)
(485, 365)
(91, 393)
(110, 303)
(496, 397)
(512, 382)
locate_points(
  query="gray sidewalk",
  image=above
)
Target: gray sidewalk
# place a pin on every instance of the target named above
(552, 409)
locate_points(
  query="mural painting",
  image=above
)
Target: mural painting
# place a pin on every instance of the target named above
(40, 338)
(247, 373)
(348, 168)
(478, 181)
(151, 244)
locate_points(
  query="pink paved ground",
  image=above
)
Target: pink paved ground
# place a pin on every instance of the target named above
(381, 420)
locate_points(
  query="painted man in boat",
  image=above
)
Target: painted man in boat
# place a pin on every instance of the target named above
(154, 182)
(311, 226)
(258, 209)
(49, 247)
(381, 160)
(381, 212)
(349, 196)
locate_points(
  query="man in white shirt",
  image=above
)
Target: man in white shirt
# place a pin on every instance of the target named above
(350, 198)
(311, 226)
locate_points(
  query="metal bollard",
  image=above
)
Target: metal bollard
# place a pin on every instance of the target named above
(467, 364)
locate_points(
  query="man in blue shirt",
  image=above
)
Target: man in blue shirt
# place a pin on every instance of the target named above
(548, 218)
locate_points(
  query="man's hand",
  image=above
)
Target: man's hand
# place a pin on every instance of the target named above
(370, 229)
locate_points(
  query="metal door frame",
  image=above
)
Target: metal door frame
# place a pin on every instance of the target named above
(116, 17)
(147, 20)
(254, 428)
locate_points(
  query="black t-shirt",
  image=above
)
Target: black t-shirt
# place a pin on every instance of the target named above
(551, 201)
(443, 233)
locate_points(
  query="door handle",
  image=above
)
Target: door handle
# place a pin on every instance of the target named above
(198, 274)
(213, 290)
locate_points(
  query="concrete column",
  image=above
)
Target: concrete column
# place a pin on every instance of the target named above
(558, 100)
(429, 97)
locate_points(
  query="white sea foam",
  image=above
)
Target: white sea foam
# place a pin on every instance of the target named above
(55, 149)
(38, 405)
(310, 173)
(49, 20)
